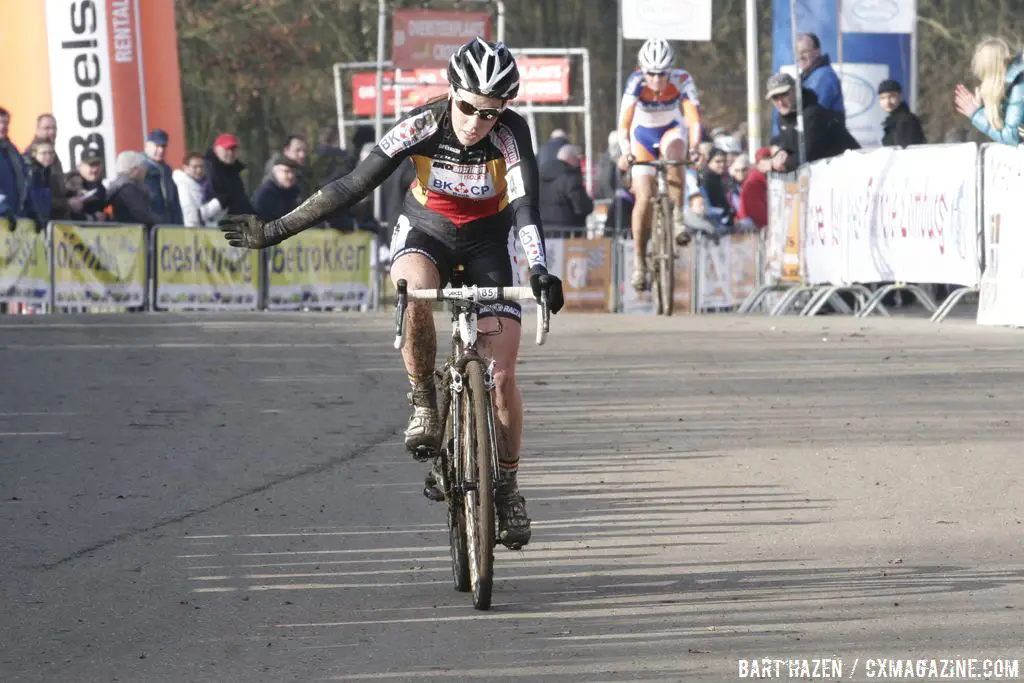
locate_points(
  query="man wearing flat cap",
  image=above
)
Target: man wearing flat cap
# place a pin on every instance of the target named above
(163, 193)
(278, 195)
(825, 134)
(902, 128)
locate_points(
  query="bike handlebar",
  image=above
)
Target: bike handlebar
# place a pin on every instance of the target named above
(659, 163)
(474, 293)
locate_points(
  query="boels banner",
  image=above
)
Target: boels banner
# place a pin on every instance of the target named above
(197, 270)
(320, 269)
(24, 263)
(106, 69)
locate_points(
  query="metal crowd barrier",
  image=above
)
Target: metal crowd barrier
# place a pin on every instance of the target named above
(872, 223)
(114, 267)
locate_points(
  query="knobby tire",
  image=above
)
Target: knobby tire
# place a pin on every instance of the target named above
(456, 520)
(478, 504)
(663, 242)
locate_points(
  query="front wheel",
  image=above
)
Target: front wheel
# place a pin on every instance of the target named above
(663, 244)
(478, 478)
(456, 520)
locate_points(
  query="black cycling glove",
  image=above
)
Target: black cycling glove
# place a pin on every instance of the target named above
(249, 231)
(541, 280)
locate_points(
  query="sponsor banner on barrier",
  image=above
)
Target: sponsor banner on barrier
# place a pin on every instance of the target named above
(588, 274)
(643, 302)
(196, 270)
(825, 233)
(320, 269)
(785, 213)
(882, 216)
(1001, 301)
(25, 268)
(729, 275)
(729, 271)
(99, 265)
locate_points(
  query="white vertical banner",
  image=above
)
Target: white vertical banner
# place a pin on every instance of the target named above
(878, 16)
(668, 19)
(80, 79)
(824, 238)
(864, 115)
(1001, 301)
(865, 118)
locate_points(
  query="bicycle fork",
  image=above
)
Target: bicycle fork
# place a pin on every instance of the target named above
(492, 432)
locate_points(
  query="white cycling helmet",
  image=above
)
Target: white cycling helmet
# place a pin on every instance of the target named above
(487, 69)
(656, 55)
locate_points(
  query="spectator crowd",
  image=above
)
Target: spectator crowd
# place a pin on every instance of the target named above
(144, 188)
(725, 188)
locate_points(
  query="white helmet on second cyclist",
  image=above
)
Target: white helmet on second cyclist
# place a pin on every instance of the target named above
(484, 68)
(656, 55)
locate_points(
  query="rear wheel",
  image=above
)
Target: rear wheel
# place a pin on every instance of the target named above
(478, 504)
(663, 243)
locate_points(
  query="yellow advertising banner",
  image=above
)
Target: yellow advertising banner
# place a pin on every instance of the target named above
(321, 269)
(588, 274)
(24, 263)
(682, 290)
(786, 207)
(197, 270)
(99, 265)
(794, 213)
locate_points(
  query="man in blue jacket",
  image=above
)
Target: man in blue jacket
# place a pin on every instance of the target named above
(15, 198)
(818, 76)
(163, 193)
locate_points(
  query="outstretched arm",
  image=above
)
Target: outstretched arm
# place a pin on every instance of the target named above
(345, 192)
(246, 231)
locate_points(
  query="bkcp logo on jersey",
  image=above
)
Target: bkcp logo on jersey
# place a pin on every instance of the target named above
(409, 132)
(469, 182)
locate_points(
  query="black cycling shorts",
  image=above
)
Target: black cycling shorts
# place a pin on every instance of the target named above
(486, 249)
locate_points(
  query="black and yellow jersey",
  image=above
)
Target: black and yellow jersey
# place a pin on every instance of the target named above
(456, 187)
(464, 184)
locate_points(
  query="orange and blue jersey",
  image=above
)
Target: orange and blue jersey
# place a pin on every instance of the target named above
(645, 115)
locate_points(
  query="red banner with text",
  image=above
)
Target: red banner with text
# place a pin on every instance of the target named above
(423, 39)
(542, 80)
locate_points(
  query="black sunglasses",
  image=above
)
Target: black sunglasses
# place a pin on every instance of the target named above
(485, 114)
(655, 74)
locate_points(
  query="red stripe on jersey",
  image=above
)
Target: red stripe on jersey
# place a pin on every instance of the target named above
(461, 211)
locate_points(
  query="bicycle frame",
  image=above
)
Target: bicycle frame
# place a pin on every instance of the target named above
(467, 464)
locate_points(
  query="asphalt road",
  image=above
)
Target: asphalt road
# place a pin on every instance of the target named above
(225, 498)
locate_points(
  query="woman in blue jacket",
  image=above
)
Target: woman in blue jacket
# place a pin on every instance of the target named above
(996, 108)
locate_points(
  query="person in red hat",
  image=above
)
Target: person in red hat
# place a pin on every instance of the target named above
(754, 192)
(224, 176)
